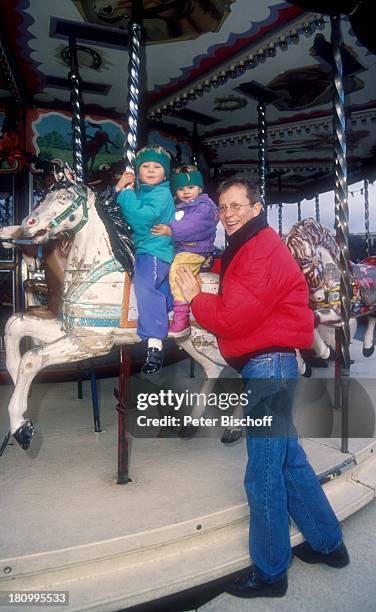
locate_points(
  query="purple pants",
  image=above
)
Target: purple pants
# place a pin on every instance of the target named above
(152, 293)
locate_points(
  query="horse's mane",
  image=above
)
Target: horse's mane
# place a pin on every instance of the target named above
(118, 230)
(311, 233)
(60, 184)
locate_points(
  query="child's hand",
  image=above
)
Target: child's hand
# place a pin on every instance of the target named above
(126, 181)
(161, 230)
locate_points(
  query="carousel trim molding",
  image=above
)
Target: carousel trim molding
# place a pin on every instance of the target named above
(295, 127)
(289, 35)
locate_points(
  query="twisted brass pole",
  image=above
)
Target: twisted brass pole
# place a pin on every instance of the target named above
(317, 207)
(341, 226)
(341, 191)
(262, 151)
(77, 119)
(366, 216)
(135, 33)
(280, 219)
(133, 89)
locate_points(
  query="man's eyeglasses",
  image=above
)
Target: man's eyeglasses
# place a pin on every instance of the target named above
(233, 207)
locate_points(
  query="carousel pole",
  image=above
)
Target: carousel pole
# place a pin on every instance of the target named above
(280, 219)
(317, 207)
(262, 152)
(194, 160)
(366, 217)
(77, 120)
(79, 170)
(134, 30)
(299, 210)
(195, 144)
(342, 369)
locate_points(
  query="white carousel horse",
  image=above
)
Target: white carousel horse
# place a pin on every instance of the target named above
(90, 309)
(315, 249)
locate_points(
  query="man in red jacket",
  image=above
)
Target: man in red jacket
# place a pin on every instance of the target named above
(259, 316)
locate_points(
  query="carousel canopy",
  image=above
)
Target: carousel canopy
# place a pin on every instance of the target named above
(207, 63)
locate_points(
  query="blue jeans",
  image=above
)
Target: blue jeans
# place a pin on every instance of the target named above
(279, 481)
(151, 287)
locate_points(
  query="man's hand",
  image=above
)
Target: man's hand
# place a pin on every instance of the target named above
(126, 181)
(188, 283)
(161, 230)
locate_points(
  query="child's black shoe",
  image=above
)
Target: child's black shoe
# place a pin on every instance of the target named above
(154, 361)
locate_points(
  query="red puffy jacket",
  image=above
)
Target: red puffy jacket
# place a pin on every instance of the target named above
(264, 300)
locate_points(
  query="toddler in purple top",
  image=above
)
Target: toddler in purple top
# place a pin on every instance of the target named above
(193, 231)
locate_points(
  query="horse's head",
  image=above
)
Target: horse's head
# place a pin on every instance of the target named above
(64, 209)
(315, 250)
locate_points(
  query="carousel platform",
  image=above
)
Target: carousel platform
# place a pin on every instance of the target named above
(182, 521)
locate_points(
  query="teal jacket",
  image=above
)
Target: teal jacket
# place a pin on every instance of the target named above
(152, 204)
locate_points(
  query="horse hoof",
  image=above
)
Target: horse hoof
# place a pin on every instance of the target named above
(230, 436)
(368, 352)
(24, 434)
(307, 371)
(188, 431)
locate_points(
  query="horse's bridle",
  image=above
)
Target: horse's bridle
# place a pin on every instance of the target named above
(80, 199)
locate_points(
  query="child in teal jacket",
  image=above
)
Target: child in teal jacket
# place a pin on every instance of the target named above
(151, 204)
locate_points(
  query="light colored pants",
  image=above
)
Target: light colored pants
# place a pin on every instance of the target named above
(193, 261)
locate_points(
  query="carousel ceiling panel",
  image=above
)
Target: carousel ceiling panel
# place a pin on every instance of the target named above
(163, 20)
(41, 26)
(207, 62)
(293, 80)
(295, 83)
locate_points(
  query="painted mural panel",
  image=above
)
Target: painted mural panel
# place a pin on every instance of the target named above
(10, 141)
(50, 137)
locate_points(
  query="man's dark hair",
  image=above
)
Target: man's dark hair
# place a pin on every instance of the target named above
(253, 192)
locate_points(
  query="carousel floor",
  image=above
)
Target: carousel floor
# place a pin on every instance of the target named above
(182, 521)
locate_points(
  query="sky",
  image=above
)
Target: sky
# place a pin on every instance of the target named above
(356, 212)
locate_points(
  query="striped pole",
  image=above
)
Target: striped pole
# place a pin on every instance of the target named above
(317, 207)
(77, 118)
(366, 217)
(135, 32)
(341, 226)
(262, 151)
(280, 219)
(133, 98)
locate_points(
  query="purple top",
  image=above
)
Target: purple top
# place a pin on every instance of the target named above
(194, 226)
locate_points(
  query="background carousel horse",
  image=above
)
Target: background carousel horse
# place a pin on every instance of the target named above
(315, 249)
(90, 310)
(48, 259)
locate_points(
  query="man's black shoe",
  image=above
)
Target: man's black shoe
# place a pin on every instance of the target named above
(249, 585)
(154, 361)
(337, 558)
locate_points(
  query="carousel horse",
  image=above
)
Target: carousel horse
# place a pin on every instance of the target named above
(99, 262)
(97, 277)
(49, 260)
(317, 253)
